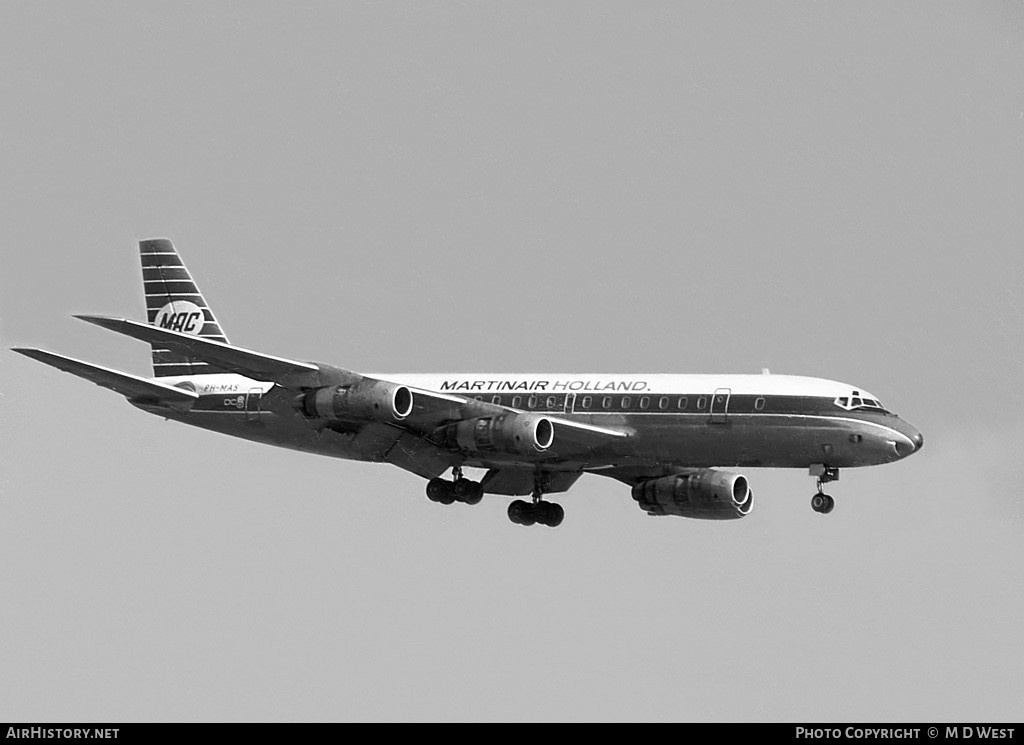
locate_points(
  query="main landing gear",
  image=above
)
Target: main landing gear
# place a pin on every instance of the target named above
(536, 511)
(821, 502)
(459, 489)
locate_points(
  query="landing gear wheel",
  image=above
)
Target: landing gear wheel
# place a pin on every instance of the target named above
(522, 513)
(441, 491)
(540, 513)
(469, 492)
(822, 503)
(551, 514)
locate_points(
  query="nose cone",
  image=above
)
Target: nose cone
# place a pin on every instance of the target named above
(914, 439)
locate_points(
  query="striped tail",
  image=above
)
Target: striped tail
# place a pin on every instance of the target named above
(174, 302)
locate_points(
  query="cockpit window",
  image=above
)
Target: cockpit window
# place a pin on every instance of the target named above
(857, 401)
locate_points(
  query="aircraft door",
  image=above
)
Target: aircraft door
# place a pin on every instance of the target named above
(720, 405)
(252, 405)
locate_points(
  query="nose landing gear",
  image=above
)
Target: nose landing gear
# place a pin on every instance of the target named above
(821, 502)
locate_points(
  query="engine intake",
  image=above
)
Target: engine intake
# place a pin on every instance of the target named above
(508, 433)
(707, 494)
(367, 400)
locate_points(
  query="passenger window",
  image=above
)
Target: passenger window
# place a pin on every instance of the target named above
(551, 403)
(701, 403)
(495, 399)
(645, 402)
(626, 401)
(663, 402)
(759, 403)
(606, 402)
(478, 398)
(517, 401)
(531, 402)
(587, 400)
(682, 403)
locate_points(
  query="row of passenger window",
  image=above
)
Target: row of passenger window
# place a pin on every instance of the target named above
(616, 403)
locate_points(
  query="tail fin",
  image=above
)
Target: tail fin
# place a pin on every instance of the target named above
(174, 302)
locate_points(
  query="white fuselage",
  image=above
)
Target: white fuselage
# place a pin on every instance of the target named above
(675, 420)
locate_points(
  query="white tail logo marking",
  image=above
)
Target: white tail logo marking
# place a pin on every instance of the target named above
(181, 315)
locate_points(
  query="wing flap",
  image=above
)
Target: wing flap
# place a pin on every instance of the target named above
(571, 438)
(454, 407)
(576, 438)
(515, 482)
(130, 386)
(430, 408)
(252, 364)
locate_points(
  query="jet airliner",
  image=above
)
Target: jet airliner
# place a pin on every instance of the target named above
(668, 437)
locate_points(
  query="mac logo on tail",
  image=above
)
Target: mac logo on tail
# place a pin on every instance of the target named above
(181, 315)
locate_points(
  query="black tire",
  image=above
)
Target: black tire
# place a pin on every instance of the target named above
(434, 489)
(555, 515)
(517, 512)
(830, 504)
(467, 491)
(476, 493)
(522, 513)
(541, 512)
(818, 503)
(440, 491)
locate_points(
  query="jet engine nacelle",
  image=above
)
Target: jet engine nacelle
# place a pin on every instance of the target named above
(708, 494)
(507, 433)
(376, 400)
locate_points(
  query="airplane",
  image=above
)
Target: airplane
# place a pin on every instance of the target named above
(667, 436)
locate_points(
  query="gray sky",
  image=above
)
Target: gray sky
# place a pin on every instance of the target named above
(829, 189)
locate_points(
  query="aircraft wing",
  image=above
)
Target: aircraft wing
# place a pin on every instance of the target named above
(452, 406)
(256, 365)
(573, 439)
(431, 408)
(130, 386)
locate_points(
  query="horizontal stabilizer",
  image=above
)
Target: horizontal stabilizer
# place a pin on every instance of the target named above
(131, 386)
(255, 365)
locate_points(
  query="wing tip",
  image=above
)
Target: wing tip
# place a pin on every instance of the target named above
(107, 322)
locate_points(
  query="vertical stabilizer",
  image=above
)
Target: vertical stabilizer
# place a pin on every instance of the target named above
(174, 302)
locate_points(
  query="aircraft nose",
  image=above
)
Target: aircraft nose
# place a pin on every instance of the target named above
(915, 437)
